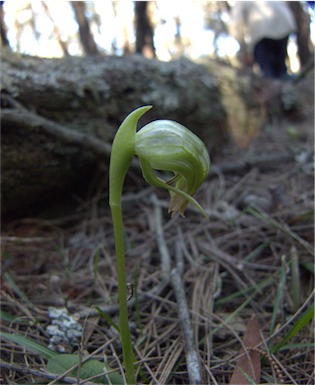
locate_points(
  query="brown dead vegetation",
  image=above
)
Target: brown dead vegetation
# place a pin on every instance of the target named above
(261, 217)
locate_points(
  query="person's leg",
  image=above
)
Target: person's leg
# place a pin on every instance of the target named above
(279, 58)
(263, 57)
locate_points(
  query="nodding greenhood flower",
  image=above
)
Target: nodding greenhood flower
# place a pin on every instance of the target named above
(168, 146)
(163, 145)
(160, 145)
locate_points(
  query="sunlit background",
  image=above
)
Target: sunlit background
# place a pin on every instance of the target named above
(37, 28)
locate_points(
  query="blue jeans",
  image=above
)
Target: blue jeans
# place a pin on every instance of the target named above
(271, 55)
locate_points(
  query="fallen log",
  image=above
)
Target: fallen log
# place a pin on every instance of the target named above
(59, 117)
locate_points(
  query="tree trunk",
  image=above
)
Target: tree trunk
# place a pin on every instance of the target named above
(59, 117)
(3, 28)
(86, 37)
(144, 30)
(303, 32)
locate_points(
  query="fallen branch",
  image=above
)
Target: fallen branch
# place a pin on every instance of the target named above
(28, 120)
(263, 161)
(191, 351)
(160, 239)
(192, 356)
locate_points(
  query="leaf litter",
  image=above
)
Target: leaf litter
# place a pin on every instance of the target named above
(255, 255)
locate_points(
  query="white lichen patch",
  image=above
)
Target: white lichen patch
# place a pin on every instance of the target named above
(65, 332)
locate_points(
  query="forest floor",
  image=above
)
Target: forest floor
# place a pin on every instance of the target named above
(254, 256)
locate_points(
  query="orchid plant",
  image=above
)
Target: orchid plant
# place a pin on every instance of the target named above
(160, 145)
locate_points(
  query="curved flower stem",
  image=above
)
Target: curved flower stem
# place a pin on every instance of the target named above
(123, 150)
(160, 145)
(128, 353)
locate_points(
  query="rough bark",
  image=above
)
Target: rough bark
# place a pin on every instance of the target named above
(3, 28)
(302, 19)
(144, 30)
(60, 115)
(86, 37)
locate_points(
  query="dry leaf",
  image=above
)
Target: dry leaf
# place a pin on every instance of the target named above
(249, 362)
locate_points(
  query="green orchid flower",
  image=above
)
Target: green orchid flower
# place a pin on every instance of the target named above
(167, 145)
(160, 145)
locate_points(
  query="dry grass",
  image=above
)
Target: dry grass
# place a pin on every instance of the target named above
(231, 268)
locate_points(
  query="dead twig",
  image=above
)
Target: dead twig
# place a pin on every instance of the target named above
(20, 116)
(191, 351)
(262, 162)
(24, 118)
(163, 249)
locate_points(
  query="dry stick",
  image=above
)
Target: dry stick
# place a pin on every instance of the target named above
(192, 357)
(24, 118)
(262, 161)
(17, 114)
(191, 352)
(163, 249)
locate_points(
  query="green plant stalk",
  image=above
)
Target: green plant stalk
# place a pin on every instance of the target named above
(306, 317)
(296, 279)
(160, 145)
(279, 296)
(128, 354)
(121, 157)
